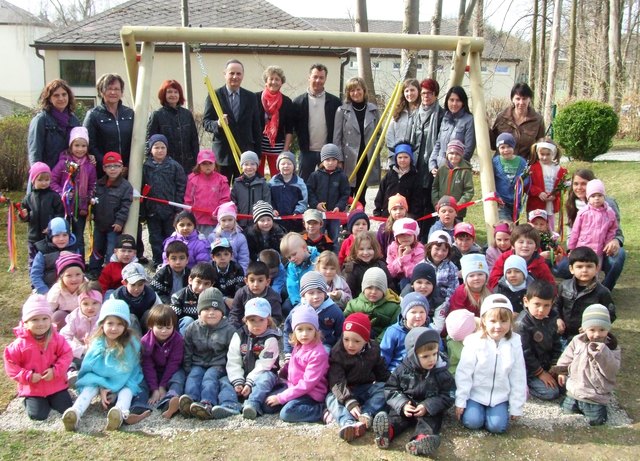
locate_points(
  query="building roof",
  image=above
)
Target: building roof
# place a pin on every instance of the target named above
(14, 15)
(8, 107)
(103, 30)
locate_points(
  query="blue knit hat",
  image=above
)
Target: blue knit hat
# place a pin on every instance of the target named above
(157, 138)
(57, 226)
(412, 300)
(506, 138)
(116, 308)
(474, 262)
(403, 149)
(356, 215)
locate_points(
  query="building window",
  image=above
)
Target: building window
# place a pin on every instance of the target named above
(419, 66)
(375, 65)
(396, 66)
(353, 64)
(503, 70)
(78, 72)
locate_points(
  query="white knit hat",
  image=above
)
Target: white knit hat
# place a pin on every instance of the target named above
(375, 277)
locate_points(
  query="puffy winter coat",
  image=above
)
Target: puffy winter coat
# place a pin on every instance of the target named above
(42, 205)
(593, 228)
(331, 188)
(382, 313)
(409, 185)
(207, 192)
(197, 243)
(402, 266)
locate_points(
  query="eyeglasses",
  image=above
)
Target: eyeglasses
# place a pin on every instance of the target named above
(427, 93)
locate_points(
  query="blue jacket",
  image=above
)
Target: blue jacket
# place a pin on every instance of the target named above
(46, 139)
(295, 273)
(332, 188)
(289, 197)
(330, 319)
(504, 187)
(43, 268)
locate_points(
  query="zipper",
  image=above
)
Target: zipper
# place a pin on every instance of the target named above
(493, 381)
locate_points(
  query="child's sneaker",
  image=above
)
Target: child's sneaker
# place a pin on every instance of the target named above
(248, 412)
(327, 417)
(172, 407)
(114, 419)
(201, 410)
(220, 412)
(352, 431)
(423, 445)
(366, 419)
(72, 377)
(383, 430)
(184, 403)
(70, 420)
(134, 418)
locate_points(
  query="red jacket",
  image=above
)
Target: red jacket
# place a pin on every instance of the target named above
(536, 266)
(111, 276)
(460, 300)
(536, 187)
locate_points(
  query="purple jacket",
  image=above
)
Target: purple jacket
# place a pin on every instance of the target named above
(198, 247)
(161, 361)
(307, 373)
(86, 172)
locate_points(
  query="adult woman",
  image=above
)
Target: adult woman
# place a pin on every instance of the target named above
(49, 129)
(519, 119)
(177, 124)
(354, 124)
(110, 124)
(457, 123)
(401, 126)
(276, 118)
(615, 255)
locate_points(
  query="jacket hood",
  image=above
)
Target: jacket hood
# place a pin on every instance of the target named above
(416, 338)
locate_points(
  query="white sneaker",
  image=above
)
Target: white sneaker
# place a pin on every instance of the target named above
(70, 420)
(114, 419)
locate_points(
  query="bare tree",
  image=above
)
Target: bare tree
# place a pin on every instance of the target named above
(615, 60)
(553, 61)
(364, 54)
(436, 20)
(533, 52)
(478, 19)
(603, 51)
(410, 25)
(542, 55)
(464, 16)
(69, 12)
(572, 49)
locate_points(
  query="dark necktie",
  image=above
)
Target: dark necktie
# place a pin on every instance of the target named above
(235, 105)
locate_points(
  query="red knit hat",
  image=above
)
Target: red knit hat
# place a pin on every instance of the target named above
(358, 323)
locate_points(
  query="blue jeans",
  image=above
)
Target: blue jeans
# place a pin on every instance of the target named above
(301, 410)
(538, 389)
(211, 385)
(262, 387)
(175, 389)
(595, 413)
(183, 323)
(332, 229)
(505, 212)
(159, 230)
(370, 397)
(611, 265)
(103, 246)
(494, 419)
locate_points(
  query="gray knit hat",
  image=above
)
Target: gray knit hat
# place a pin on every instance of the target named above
(286, 155)
(311, 280)
(330, 151)
(596, 315)
(411, 300)
(375, 277)
(211, 298)
(249, 156)
(261, 209)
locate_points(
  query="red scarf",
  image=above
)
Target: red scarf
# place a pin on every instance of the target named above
(271, 103)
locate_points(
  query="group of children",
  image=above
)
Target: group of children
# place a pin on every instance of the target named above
(378, 332)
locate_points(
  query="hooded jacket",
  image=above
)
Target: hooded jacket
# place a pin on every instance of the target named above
(78, 331)
(206, 346)
(306, 373)
(198, 246)
(456, 182)
(382, 313)
(251, 355)
(541, 344)
(330, 320)
(207, 192)
(593, 228)
(42, 205)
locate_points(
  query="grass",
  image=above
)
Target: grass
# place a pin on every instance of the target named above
(520, 443)
(625, 144)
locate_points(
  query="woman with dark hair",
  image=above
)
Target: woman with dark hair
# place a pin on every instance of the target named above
(49, 129)
(519, 119)
(177, 124)
(614, 253)
(401, 126)
(457, 123)
(354, 124)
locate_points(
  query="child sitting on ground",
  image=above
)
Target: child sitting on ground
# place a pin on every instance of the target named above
(501, 242)
(588, 367)
(405, 251)
(264, 233)
(228, 228)
(357, 223)
(464, 236)
(365, 253)
(111, 276)
(184, 224)
(185, 302)
(437, 252)
(301, 260)
(256, 286)
(471, 294)
(357, 374)
(338, 290)
(515, 281)
(313, 234)
(173, 276)
(423, 281)
(460, 324)
(63, 296)
(550, 248)
(138, 295)
(229, 276)
(277, 272)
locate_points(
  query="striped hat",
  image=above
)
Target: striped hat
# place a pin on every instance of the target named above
(311, 280)
(596, 315)
(262, 209)
(67, 259)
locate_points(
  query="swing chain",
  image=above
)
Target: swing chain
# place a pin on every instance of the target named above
(195, 48)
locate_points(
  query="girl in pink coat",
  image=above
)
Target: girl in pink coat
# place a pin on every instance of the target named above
(307, 385)
(405, 252)
(38, 360)
(595, 224)
(206, 189)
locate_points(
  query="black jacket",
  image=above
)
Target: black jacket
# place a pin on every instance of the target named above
(332, 188)
(409, 186)
(168, 182)
(42, 206)
(301, 118)
(162, 282)
(514, 296)
(178, 125)
(540, 341)
(108, 135)
(258, 242)
(112, 203)
(229, 281)
(353, 272)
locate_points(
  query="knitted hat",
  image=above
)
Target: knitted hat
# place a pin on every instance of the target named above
(595, 186)
(411, 300)
(495, 301)
(126, 241)
(533, 214)
(455, 146)
(502, 227)
(286, 155)
(206, 155)
(304, 313)
(249, 156)
(57, 226)
(397, 200)
(516, 262)
(133, 273)
(375, 277)
(355, 216)
(439, 236)
(460, 324)
(595, 315)
(262, 209)
(358, 323)
(506, 138)
(330, 151)
(37, 169)
(211, 298)
(66, 259)
(464, 228)
(35, 305)
(111, 158)
(96, 295)
(227, 209)
(406, 226)
(259, 307)
(117, 308)
(403, 149)
(447, 200)
(221, 242)
(311, 280)
(154, 138)
(418, 337)
(78, 132)
(474, 262)
(424, 271)
(312, 214)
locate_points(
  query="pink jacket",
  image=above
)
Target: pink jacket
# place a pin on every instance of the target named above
(307, 373)
(401, 267)
(593, 228)
(78, 330)
(26, 356)
(206, 192)
(60, 299)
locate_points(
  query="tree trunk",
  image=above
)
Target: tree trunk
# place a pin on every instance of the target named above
(572, 50)
(542, 56)
(464, 16)
(436, 20)
(603, 77)
(533, 52)
(478, 19)
(615, 63)
(553, 62)
(410, 25)
(363, 54)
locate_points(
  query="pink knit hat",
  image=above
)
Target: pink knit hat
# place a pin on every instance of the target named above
(595, 186)
(78, 132)
(227, 209)
(456, 146)
(206, 155)
(35, 305)
(460, 324)
(37, 169)
(67, 259)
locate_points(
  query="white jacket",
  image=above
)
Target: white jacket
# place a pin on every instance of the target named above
(491, 373)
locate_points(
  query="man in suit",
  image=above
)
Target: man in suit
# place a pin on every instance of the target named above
(315, 113)
(240, 109)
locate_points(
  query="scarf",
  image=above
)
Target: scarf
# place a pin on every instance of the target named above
(62, 119)
(82, 179)
(271, 103)
(425, 129)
